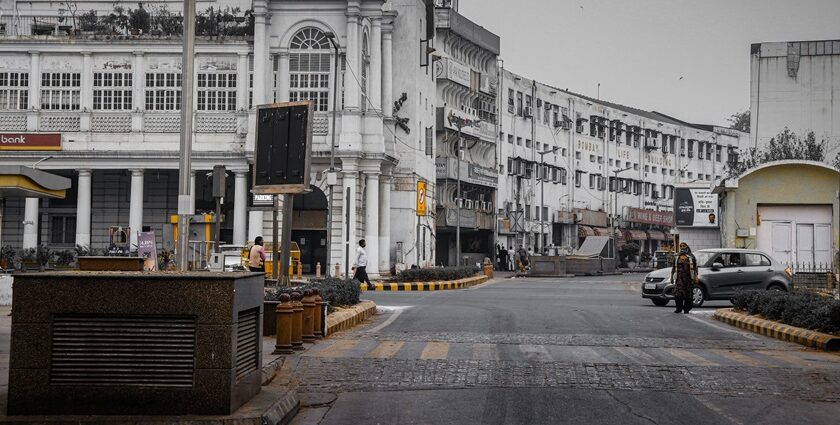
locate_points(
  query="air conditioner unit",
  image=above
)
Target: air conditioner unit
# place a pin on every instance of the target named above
(481, 205)
(489, 207)
(528, 112)
(567, 125)
(460, 203)
(468, 204)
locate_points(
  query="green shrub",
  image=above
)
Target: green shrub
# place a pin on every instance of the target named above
(336, 292)
(436, 274)
(800, 309)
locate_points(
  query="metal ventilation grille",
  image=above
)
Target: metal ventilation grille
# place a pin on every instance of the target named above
(247, 339)
(153, 351)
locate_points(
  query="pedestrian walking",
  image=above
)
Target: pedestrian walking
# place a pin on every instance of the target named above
(256, 256)
(511, 261)
(503, 258)
(360, 265)
(523, 258)
(684, 276)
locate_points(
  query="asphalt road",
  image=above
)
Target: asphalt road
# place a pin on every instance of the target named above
(549, 351)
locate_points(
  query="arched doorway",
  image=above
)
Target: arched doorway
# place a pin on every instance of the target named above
(309, 228)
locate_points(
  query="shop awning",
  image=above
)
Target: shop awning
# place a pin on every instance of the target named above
(657, 235)
(635, 235)
(17, 181)
(601, 231)
(584, 231)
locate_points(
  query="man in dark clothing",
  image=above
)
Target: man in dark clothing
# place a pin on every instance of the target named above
(503, 258)
(684, 276)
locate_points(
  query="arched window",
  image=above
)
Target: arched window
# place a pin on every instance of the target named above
(365, 71)
(309, 68)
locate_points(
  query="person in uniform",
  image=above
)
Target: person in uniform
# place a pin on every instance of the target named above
(684, 276)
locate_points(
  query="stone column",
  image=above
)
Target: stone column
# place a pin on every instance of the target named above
(242, 82)
(376, 63)
(135, 210)
(240, 208)
(86, 97)
(385, 223)
(387, 77)
(30, 223)
(349, 177)
(34, 90)
(372, 221)
(138, 91)
(83, 203)
(261, 63)
(283, 76)
(351, 123)
(255, 224)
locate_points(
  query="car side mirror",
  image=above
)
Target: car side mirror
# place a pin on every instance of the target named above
(717, 266)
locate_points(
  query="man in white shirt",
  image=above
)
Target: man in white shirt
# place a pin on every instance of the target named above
(360, 264)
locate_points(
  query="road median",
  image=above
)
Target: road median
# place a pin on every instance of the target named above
(426, 286)
(778, 330)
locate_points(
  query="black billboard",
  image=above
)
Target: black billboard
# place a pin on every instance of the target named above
(283, 148)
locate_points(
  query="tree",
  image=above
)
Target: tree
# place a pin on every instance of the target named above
(740, 121)
(785, 145)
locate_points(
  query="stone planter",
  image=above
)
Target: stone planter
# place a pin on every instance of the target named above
(135, 343)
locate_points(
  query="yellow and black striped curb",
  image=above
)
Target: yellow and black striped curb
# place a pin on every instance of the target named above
(427, 286)
(347, 318)
(778, 330)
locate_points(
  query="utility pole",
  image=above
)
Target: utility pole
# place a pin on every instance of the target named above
(460, 123)
(614, 212)
(542, 191)
(332, 178)
(185, 206)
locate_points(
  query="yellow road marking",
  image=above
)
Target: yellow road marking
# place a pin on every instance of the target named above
(485, 352)
(740, 358)
(338, 348)
(435, 351)
(386, 349)
(689, 357)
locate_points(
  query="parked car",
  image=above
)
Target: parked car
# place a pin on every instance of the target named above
(721, 273)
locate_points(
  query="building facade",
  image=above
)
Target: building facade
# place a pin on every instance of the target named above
(467, 121)
(795, 85)
(110, 92)
(571, 163)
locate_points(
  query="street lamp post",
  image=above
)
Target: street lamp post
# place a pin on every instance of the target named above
(615, 212)
(460, 123)
(185, 206)
(542, 195)
(331, 177)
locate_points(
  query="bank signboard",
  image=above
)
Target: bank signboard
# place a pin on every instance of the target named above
(30, 141)
(695, 207)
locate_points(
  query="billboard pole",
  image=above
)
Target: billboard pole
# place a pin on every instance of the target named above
(185, 206)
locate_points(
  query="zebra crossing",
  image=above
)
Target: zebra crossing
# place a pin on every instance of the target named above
(649, 356)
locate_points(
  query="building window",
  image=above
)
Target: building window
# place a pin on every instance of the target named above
(591, 158)
(653, 170)
(627, 164)
(61, 91)
(577, 154)
(62, 229)
(216, 91)
(510, 138)
(14, 90)
(717, 153)
(519, 141)
(519, 103)
(112, 91)
(511, 108)
(578, 177)
(309, 69)
(701, 149)
(593, 181)
(163, 91)
(635, 166)
(527, 143)
(600, 159)
(527, 212)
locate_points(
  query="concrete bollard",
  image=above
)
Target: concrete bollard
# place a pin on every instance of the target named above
(337, 270)
(319, 311)
(297, 322)
(308, 316)
(318, 269)
(284, 312)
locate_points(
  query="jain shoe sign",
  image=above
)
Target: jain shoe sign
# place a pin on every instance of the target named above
(30, 141)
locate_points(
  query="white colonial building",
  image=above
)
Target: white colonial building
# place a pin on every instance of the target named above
(570, 162)
(104, 80)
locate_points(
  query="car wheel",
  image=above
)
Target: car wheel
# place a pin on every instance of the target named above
(659, 303)
(776, 287)
(697, 296)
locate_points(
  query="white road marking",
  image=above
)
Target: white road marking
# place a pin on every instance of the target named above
(708, 322)
(397, 311)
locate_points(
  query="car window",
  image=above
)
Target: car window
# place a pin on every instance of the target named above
(755, 260)
(735, 260)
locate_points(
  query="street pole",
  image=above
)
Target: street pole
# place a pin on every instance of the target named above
(185, 206)
(458, 199)
(331, 173)
(275, 238)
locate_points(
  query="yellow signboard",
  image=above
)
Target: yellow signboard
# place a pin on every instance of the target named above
(421, 198)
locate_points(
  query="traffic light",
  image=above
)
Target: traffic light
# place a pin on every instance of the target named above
(283, 148)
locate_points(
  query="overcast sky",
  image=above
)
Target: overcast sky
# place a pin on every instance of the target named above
(639, 49)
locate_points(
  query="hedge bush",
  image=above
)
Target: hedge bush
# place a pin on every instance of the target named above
(800, 309)
(436, 274)
(336, 292)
